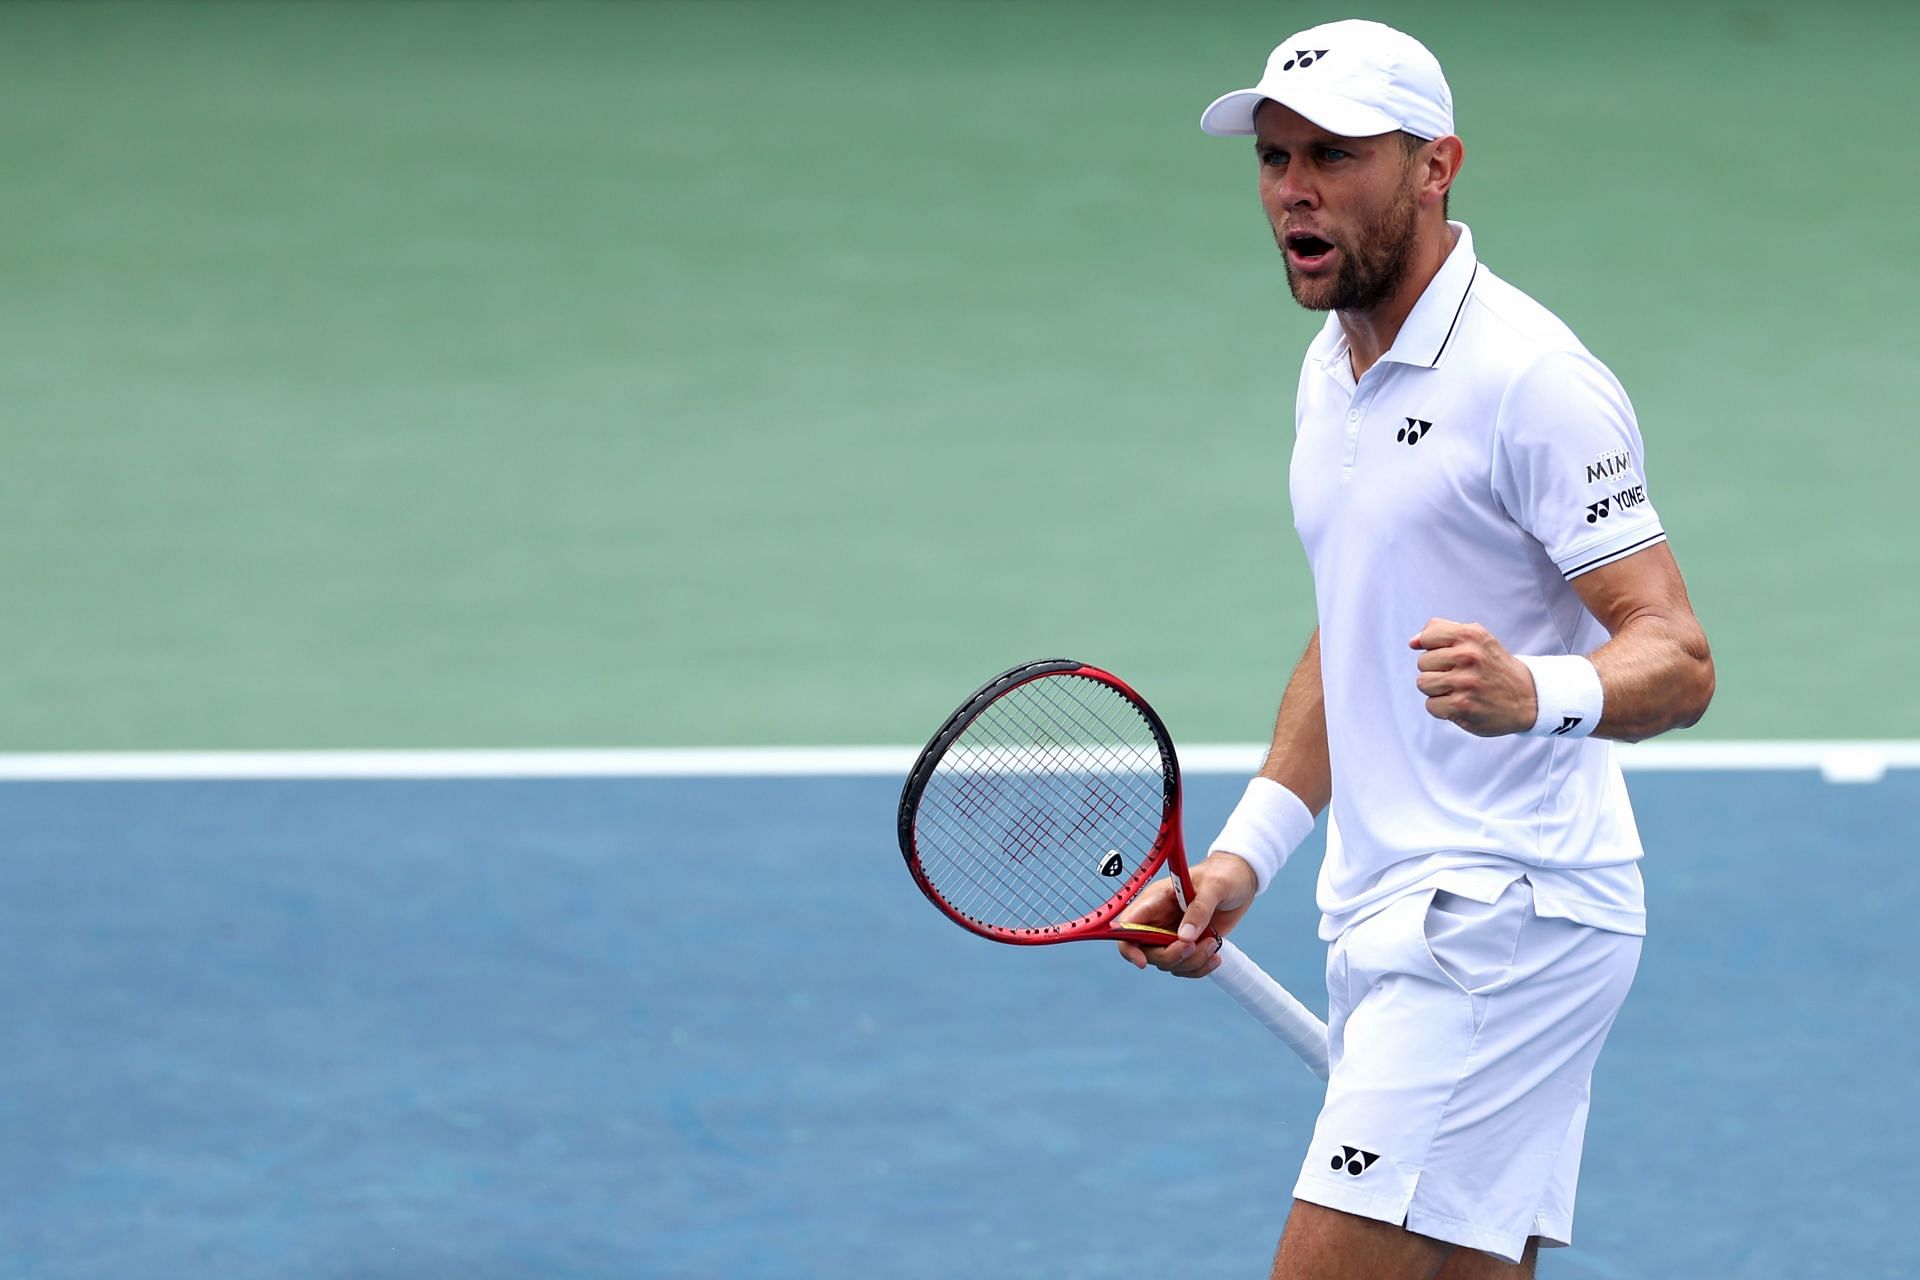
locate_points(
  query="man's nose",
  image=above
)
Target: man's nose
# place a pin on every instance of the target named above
(1293, 192)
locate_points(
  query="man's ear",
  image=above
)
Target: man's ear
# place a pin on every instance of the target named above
(1443, 164)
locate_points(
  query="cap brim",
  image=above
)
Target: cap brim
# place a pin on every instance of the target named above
(1231, 114)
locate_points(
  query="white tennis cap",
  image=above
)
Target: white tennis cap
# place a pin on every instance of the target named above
(1353, 78)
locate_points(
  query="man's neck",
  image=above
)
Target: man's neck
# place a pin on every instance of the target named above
(1371, 333)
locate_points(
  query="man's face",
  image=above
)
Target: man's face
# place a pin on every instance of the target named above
(1343, 210)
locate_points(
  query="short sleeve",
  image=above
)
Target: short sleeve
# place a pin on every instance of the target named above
(1568, 464)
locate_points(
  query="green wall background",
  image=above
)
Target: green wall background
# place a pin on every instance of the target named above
(437, 374)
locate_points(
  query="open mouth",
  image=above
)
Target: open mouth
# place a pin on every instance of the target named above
(1307, 249)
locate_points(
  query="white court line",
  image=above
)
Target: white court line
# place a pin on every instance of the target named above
(1837, 761)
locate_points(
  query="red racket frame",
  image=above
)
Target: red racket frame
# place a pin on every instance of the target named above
(1169, 848)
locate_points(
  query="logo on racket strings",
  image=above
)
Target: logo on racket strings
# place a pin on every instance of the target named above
(1113, 866)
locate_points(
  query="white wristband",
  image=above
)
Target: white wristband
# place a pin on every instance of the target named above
(1265, 828)
(1568, 690)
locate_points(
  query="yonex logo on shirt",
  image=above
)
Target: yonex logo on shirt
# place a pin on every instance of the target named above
(1303, 58)
(1625, 500)
(1415, 428)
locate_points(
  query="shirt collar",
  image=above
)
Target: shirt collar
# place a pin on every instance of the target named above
(1422, 339)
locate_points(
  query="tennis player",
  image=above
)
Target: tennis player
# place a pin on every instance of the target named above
(1496, 601)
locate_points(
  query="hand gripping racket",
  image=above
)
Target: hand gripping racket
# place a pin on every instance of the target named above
(1045, 804)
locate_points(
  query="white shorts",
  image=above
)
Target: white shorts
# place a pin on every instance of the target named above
(1462, 1038)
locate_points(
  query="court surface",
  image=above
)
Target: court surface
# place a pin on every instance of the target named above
(462, 374)
(693, 1028)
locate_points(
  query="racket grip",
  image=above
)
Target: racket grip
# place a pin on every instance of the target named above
(1274, 1006)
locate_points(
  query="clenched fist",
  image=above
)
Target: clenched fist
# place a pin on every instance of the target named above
(1470, 679)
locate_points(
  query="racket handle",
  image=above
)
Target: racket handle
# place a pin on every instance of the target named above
(1274, 1006)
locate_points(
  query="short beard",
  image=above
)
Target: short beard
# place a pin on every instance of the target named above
(1372, 265)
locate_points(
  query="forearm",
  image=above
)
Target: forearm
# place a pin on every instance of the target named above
(1656, 673)
(1297, 760)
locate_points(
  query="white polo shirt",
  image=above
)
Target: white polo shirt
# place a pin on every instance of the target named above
(1481, 465)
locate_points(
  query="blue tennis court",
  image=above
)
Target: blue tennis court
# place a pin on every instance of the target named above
(692, 1028)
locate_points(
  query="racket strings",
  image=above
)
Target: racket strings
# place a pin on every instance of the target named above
(1035, 740)
(1138, 762)
(1095, 785)
(1022, 819)
(1018, 899)
(1011, 894)
(1052, 821)
(984, 797)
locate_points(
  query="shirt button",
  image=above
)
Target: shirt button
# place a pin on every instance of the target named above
(1354, 416)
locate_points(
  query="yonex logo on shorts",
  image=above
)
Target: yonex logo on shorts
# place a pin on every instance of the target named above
(1354, 1160)
(1303, 58)
(1415, 428)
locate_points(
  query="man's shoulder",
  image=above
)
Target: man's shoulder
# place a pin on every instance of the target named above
(1508, 330)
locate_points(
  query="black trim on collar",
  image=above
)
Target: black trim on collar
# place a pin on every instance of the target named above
(1464, 295)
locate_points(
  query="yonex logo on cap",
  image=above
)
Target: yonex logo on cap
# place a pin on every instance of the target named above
(1384, 81)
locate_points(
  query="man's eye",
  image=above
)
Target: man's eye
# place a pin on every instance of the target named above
(1332, 153)
(1273, 158)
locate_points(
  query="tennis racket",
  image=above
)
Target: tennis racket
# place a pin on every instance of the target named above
(1045, 804)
